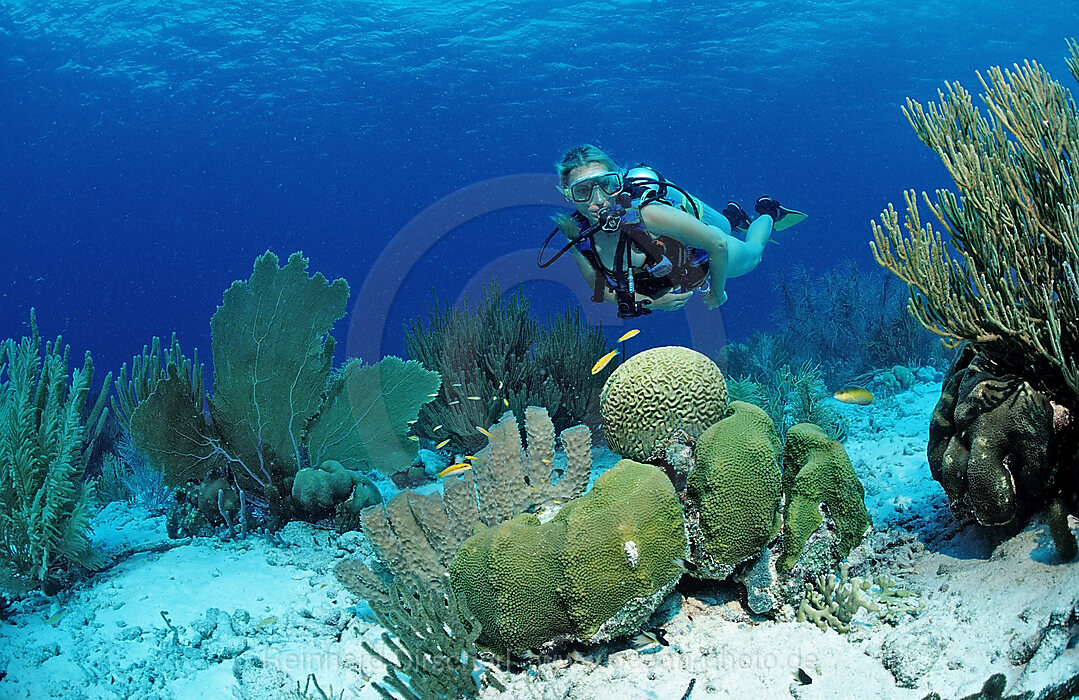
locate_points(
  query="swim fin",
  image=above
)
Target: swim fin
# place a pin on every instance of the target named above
(784, 218)
(737, 216)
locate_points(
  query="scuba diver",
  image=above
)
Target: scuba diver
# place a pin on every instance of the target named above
(644, 243)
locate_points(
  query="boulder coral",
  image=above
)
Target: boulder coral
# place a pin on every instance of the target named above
(733, 491)
(819, 481)
(319, 491)
(991, 443)
(657, 392)
(595, 572)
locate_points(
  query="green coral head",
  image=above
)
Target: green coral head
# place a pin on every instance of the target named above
(735, 488)
(600, 566)
(817, 474)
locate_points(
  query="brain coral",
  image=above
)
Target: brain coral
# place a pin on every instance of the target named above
(656, 392)
(594, 572)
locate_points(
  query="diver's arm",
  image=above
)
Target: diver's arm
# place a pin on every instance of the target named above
(675, 223)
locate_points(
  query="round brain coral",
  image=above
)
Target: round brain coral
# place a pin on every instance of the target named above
(656, 392)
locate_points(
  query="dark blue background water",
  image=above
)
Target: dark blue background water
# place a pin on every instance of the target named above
(150, 151)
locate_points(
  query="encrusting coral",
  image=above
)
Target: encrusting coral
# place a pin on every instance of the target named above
(44, 446)
(1005, 280)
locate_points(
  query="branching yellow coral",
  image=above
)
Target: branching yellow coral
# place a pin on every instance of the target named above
(1005, 277)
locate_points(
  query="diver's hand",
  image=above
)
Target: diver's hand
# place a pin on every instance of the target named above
(713, 300)
(670, 302)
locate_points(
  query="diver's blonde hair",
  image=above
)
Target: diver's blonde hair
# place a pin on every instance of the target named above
(582, 155)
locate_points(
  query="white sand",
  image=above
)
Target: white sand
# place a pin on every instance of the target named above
(988, 605)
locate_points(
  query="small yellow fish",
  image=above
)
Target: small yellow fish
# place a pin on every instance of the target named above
(454, 469)
(602, 362)
(500, 384)
(413, 438)
(473, 398)
(628, 334)
(453, 403)
(412, 421)
(854, 394)
(457, 384)
(472, 457)
(546, 461)
(506, 402)
(486, 432)
(265, 621)
(437, 427)
(433, 395)
(55, 618)
(442, 444)
(558, 502)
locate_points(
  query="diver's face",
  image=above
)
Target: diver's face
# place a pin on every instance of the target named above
(599, 199)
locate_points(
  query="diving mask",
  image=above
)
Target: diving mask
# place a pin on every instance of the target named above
(581, 189)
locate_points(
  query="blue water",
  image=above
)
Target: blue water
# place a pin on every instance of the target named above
(150, 151)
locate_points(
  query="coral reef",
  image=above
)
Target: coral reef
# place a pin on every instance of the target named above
(657, 392)
(595, 572)
(498, 356)
(44, 445)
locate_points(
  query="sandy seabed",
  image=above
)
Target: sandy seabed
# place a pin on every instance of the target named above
(252, 619)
